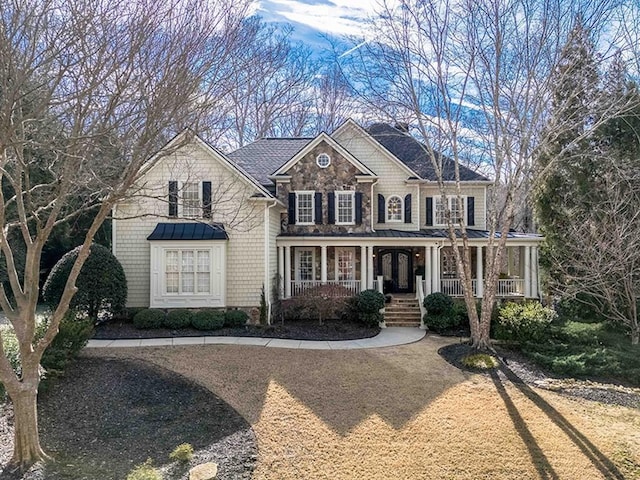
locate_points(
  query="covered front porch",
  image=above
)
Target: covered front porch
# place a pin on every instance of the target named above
(348, 266)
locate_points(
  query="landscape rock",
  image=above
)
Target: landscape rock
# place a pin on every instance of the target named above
(205, 471)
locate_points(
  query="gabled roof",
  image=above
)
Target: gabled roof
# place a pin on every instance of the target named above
(323, 137)
(264, 156)
(188, 231)
(414, 154)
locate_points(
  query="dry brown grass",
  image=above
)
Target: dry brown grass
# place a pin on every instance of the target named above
(403, 413)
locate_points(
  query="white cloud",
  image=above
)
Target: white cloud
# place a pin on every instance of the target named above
(335, 17)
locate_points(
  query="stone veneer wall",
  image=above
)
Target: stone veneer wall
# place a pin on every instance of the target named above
(339, 175)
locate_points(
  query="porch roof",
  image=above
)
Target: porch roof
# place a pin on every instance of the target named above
(188, 231)
(424, 233)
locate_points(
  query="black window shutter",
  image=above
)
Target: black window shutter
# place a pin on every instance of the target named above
(318, 207)
(381, 208)
(471, 213)
(291, 210)
(331, 198)
(358, 208)
(206, 199)
(429, 211)
(407, 208)
(173, 198)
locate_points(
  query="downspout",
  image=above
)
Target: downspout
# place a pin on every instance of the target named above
(267, 285)
(113, 231)
(371, 205)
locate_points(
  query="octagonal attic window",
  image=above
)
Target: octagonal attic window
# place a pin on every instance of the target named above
(323, 160)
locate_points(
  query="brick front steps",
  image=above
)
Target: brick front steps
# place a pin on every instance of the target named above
(402, 311)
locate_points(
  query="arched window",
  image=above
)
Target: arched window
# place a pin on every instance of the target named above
(394, 209)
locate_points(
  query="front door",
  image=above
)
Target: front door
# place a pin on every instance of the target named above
(396, 266)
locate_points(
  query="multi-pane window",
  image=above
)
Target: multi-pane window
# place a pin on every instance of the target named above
(187, 271)
(305, 265)
(304, 207)
(345, 264)
(449, 269)
(394, 209)
(456, 206)
(191, 200)
(345, 207)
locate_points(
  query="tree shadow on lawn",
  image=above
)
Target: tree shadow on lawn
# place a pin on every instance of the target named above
(539, 460)
(106, 416)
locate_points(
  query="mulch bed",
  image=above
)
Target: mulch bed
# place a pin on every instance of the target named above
(290, 329)
(106, 416)
(516, 367)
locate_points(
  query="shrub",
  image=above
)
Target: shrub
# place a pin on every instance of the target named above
(482, 361)
(370, 319)
(102, 285)
(73, 335)
(182, 453)
(235, 318)
(207, 320)
(370, 301)
(441, 322)
(438, 303)
(178, 319)
(149, 318)
(145, 471)
(12, 352)
(527, 321)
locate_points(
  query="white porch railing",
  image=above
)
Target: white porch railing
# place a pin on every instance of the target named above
(341, 288)
(511, 287)
(453, 287)
(420, 286)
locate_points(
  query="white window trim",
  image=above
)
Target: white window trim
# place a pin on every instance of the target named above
(313, 206)
(181, 187)
(353, 271)
(158, 298)
(395, 220)
(449, 198)
(322, 155)
(180, 251)
(352, 194)
(298, 251)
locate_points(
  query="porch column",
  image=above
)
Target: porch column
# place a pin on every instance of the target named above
(370, 267)
(510, 264)
(527, 271)
(363, 268)
(281, 270)
(534, 272)
(427, 271)
(287, 271)
(435, 270)
(479, 273)
(323, 264)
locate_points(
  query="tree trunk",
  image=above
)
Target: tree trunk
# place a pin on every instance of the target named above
(26, 447)
(635, 335)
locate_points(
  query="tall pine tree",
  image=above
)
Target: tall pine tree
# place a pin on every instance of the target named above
(565, 166)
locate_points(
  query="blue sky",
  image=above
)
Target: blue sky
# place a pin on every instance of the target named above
(313, 20)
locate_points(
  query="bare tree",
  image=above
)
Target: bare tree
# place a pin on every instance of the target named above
(89, 90)
(472, 78)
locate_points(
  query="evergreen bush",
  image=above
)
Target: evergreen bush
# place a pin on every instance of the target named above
(149, 318)
(102, 284)
(370, 301)
(438, 303)
(208, 320)
(523, 322)
(178, 319)
(235, 318)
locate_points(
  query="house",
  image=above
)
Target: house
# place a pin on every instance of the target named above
(359, 208)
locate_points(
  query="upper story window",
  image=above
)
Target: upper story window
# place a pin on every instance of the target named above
(345, 208)
(394, 209)
(304, 208)
(191, 205)
(323, 160)
(455, 205)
